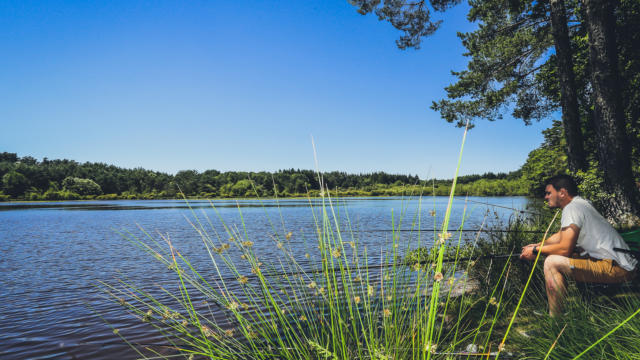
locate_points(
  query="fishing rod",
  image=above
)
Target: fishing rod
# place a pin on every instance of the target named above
(368, 266)
(501, 206)
(459, 230)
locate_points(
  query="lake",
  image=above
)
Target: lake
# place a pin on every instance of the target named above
(55, 254)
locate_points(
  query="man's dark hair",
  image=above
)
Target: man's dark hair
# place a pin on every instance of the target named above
(563, 182)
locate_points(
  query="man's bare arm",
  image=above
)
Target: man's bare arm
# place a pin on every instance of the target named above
(553, 239)
(527, 250)
(561, 243)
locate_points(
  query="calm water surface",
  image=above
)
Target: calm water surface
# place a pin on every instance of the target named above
(54, 255)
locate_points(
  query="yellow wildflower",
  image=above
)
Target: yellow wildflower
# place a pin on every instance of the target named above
(312, 285)
(225, 246)
(356, 299)
(206, 331)
(307, 255)
(303, 318)
(370, 290)
(247, 243)
(229, 332)
(147, 316)
(243, 279)
(352, 244)
(233, 306)
(438, 276)
(432, 213)
(280, 245)
(336, 253)
(493, 301)
(386, 312)
(416, 267)
(288, 236)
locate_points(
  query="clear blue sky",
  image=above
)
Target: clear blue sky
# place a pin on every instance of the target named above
(234, 85)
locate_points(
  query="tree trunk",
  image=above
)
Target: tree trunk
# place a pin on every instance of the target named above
(614, 153)
(568, 91)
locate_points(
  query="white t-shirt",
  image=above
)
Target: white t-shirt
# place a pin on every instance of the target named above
(597, 237)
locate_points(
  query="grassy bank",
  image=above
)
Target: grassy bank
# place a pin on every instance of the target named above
(341, 302)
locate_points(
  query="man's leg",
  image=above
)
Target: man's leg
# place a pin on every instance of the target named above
(555, 269)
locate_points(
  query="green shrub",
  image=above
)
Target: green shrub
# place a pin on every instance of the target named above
(33, 196)
(81, 186)
(14, 183)
(591, 186)
(60, 195)
(107, 197)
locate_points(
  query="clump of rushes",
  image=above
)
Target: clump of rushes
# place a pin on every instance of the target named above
(244, 307)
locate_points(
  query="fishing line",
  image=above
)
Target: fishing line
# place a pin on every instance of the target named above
(501, 206)
(368, 266)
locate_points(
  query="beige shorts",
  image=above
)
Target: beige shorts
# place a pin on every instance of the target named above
(603, 271)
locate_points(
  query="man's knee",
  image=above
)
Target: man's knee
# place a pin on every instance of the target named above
(557, 263)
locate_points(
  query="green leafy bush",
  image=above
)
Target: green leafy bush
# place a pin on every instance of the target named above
(81, 186)
(14, 183)
(107, 197)
(60, 195)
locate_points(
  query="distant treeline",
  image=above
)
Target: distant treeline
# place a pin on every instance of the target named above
(26, 178)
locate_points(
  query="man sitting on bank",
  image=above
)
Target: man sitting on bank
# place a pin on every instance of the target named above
(583, 248)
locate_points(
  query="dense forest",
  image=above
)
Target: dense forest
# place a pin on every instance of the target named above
(26, 178)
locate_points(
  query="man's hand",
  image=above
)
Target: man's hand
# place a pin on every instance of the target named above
(527, 252)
